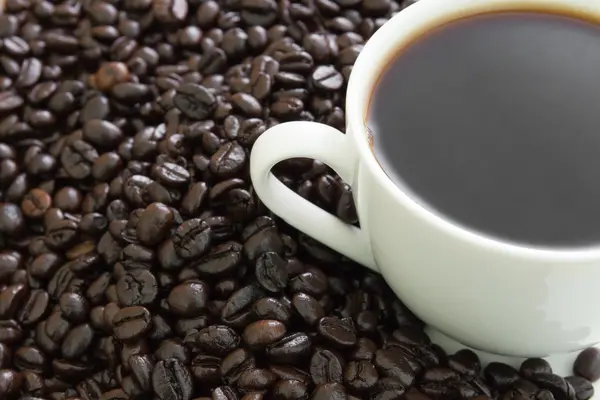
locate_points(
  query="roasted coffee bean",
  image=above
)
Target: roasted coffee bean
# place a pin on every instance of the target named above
(228, 160)
(337, 331)
(465, 362)
(583, 388)
(74, 307)
(289, 389)
(195, 101)
(137, 287)
(188, 299)
(557, 386)
(205, 369)
(263, 333)
(271, 272)
(533, 366)
(11, 299)
(172, 349)
(360, 375)
(308, 308)
(34, 309)
(224, 393)
(111, 73)
(501, 375)
(235, 364)
(77, 341)
(10, 383)
(221, 260)
(218, 340)
(587, 364)
(270, 308)
(393, 363)
(130, 323)
(36, 203)
(326, 366)
(154, 223)
(289, 349)
(10, 331)
(192, 238)
(331, 391)
(256, 379)
(30, 358)
(171, 380)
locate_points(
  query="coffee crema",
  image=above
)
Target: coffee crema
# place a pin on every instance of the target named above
(493, 121)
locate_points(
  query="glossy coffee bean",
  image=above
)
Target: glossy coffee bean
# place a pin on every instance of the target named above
(587, 364)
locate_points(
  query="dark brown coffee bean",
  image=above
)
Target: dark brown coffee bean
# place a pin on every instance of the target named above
(465, 362)
(360, 375)
(290, 349)
(10, 383)
(289, 389)
(141, 368)
(31, 71)
(74, 307)
(131, 93)
(11, 219)
(218, 340)
(138, 287)
(326, 366)
(271, 272)
(337, 331)
(221, 260)
(195, 101)
(77, 341)
(102, 133)
(130, 323)
(11, 300)
(188, 299)
(587, 364)
(263, 333)
(235, 364)
(535, 366)
(206, 369)
(30, 358)
(154, 223)
(583, 388)
(228, 160)
(192, 238)
(393, 363)
(34, 309)
(270, 308)
(308, 308)
(171, 380)
(557, 386)
(256, 379)
(501, 375)
(9, 101)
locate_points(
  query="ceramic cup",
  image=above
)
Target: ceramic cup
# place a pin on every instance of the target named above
(487, 294)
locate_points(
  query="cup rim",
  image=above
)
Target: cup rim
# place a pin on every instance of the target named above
(404, 27)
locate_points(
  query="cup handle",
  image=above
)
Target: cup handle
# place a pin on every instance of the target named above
(304, 139)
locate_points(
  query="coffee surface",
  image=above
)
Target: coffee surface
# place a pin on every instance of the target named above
(494, 122)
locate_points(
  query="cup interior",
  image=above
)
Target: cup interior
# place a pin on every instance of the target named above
(387, 43)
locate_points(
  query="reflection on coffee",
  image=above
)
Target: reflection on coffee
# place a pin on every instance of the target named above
(493, 121)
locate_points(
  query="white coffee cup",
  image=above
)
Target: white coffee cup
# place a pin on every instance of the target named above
(487, 294)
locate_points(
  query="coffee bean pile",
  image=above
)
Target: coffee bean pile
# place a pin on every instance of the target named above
(137, 261)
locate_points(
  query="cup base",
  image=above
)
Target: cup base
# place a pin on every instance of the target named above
(562, 364)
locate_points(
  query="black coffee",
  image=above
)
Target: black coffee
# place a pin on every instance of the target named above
(494, 121)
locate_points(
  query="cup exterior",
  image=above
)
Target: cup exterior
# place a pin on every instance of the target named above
(491, 295)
